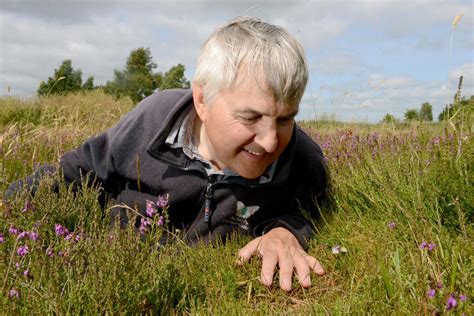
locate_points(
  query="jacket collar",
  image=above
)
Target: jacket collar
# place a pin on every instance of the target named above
(175, 156)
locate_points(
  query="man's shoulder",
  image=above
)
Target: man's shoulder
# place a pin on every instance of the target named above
(165, 100)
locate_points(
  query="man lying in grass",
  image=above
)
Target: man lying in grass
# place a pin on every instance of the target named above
(227, 153)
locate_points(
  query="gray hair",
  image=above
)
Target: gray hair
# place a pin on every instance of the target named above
(263, 51)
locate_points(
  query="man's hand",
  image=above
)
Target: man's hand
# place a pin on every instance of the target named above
(280, 247)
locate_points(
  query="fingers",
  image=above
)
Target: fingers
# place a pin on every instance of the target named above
(315, 265)
(269, 263)
(303, 270)
(286, 271)
(248, 251)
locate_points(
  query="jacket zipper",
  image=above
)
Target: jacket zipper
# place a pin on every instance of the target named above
(208, 202)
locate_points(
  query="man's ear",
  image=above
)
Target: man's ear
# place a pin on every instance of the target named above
(199, 104)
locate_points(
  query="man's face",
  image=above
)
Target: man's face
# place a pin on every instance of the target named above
(243, 129)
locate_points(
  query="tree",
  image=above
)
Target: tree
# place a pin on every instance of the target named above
(89, 84)
(137, 80)
(65, 79)
(426, 112)
(174, 78)
(411, 114)
(389, 118)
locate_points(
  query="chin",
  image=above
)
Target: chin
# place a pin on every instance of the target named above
(250, 174)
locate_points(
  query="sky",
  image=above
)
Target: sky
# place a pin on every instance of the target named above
(366, 58)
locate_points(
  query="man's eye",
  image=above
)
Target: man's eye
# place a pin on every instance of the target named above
(285, 120)
(252, 119)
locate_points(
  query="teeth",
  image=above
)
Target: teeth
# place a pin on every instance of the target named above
(253, 153)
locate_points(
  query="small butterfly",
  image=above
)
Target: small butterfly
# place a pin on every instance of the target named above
(246, 211)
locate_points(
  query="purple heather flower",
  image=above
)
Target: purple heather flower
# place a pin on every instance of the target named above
(69, 237)
(22, 250)
(22, 235)
(28, 207)
(162, 202)
(17, 265)
(49, 252)
(144, 222)
(431, 293)
(2, 239)
(439, 285)
(161, 221)
(150, 208)
(26, 273)
(78, 237)
(60, 254)
(423, 245)
(60, 230)
(462, 298)
(431, 247)
(14, 293)
(451, 303)
(12, 230)
(33, 235)
(326, 145)
(391, 225)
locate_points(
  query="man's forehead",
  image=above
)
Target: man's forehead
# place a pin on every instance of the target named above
(281, 111)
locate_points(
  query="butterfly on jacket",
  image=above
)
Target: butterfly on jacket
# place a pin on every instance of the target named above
(246, 211)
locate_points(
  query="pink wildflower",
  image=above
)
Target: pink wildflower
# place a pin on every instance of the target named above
(14, 293)
(26, 273)
(391, 225)
(33, 235)
(150, 208)
(462, 298)
(162, 202)
(423, 245)
(49, 252)
(431, 293)
(22, 251)
(161, 221)
(28, 207)
(431, 247)
(60, 230)
(12, 230)
(69, 237)
(2, 239)
(22, 235)
(78, 237)
(451, 303)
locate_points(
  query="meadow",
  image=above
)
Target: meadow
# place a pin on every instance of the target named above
(395, 237)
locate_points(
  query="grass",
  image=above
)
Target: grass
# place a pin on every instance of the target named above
(416, 177)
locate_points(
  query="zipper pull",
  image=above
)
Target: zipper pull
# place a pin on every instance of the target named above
(207, 208)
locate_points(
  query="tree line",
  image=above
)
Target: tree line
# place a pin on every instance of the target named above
(461, 106)
(137, 80)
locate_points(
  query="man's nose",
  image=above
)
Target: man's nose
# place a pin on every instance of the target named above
(267, 138)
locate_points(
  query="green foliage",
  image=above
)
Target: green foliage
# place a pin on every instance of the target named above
(89, 84)
(426, 112)
(174, 78)
(389, 118)
(66, 79)
(411, 115)
(137, 80)
(417, 176)
(463, 107)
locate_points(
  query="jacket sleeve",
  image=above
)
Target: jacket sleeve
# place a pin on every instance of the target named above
(109, 157)
(309, 177)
